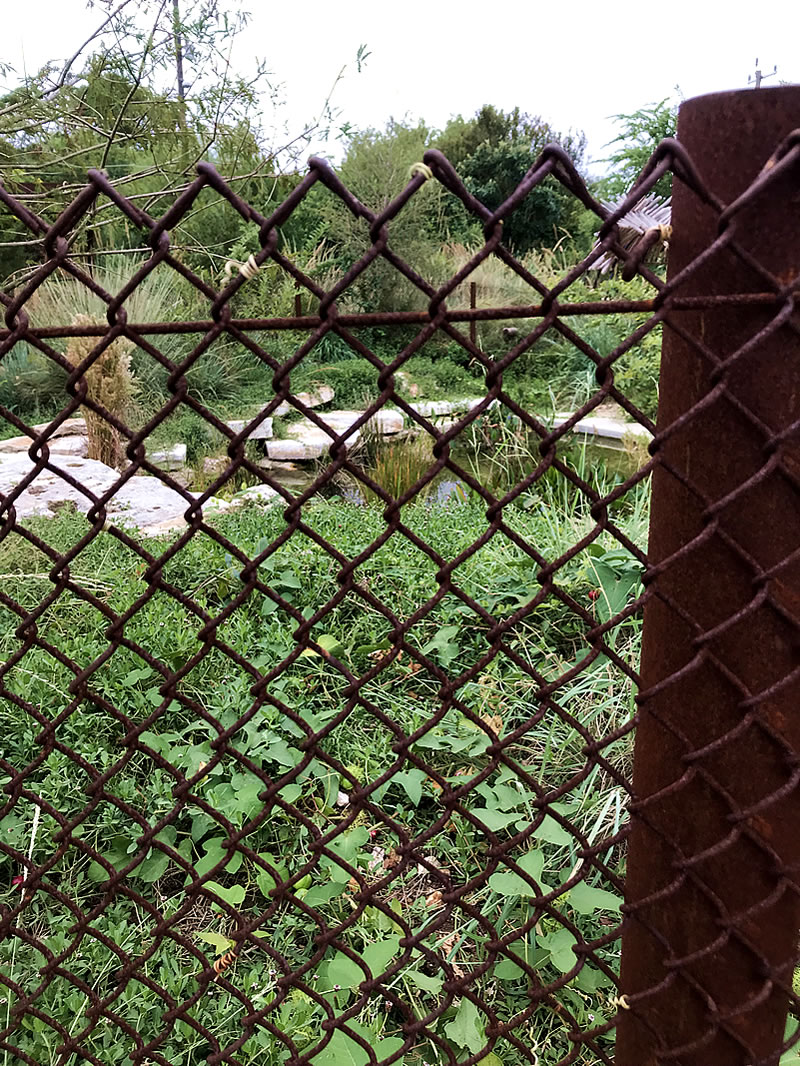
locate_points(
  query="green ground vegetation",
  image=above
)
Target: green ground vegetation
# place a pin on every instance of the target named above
(114, 778)
(114, 807)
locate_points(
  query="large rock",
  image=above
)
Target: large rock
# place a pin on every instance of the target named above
(432, 409)
(605, 429)
(307, 441)
(59, 445)
(263, 431)
(142, 502)
(72, 427)
(170, 458)
(256, 494)
(317, 396)
(297, 450)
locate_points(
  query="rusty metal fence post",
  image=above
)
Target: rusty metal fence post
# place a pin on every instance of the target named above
(712, 886)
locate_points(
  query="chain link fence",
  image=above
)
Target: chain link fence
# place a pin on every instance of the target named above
(343, 774)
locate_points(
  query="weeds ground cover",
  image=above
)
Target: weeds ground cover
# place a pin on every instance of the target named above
(233, 745)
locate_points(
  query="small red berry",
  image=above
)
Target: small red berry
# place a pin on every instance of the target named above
(594, 594)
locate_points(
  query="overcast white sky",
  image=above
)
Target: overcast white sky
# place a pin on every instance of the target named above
(575, 64)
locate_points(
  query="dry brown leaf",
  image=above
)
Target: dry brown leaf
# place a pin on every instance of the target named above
(494, 722)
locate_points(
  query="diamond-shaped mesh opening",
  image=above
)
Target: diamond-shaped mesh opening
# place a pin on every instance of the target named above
(335, 763)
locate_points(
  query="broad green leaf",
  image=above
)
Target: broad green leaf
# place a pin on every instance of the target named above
(331, 784)
(493, 819)
(247, 788)
(586, 899)
(792, 1029)
(378, 955)
(444, 645)
(117, 855)
(490, 1060)
(589, 979)
(411, 781)
(381, 921)
(341, 1051)
(329, 644)
(153, 867)
(343, 971)
(553, 833)
(215, 852)
(509, 883)
(365, 649)
(318, 894)
(280, 752)
(467, 1028)
(423, 981)
(218, 942)
(163, 743)
(390, 1045)
(506, 970)
(507, 796)
(233, 895)
(12, 830)
(346, 846)
(290, 793)
(560, 945)
(265, 881)
(135, 676)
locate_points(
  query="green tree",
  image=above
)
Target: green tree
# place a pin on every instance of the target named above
(640, 135)
(493, 151)
(375, 169)
(146, 97)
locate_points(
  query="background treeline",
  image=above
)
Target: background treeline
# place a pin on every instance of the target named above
(146, 110)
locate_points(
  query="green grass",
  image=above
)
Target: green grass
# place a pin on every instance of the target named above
(232, 741)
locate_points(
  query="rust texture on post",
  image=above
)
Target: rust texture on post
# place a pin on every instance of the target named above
(712, 902)
(473, 303)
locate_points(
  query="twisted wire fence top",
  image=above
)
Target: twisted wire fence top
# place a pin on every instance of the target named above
(318, 782)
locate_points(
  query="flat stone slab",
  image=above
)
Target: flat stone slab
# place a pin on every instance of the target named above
(604, 428)
(256, 494)
(170, 458)
(72, 427)
(442, 408)
(142, 502)
(316, 397)
(290, 450)
(263, 431)
(59, 445)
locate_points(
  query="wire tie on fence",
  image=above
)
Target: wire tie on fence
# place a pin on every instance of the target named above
(247, 270)
(665, 232)
(420, 169)
(620, 1001)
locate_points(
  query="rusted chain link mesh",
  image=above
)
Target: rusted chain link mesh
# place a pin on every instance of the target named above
(222, 879)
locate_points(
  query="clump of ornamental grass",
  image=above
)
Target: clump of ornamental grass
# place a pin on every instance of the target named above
(109, 385)
(397, 467)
